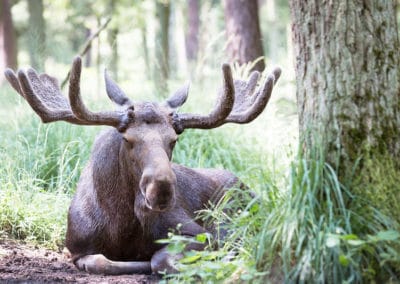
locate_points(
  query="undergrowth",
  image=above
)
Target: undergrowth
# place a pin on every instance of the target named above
(315, 230)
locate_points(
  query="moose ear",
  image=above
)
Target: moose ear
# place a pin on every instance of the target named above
(114, 92)
(179, 97)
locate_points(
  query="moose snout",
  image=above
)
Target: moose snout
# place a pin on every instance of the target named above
(158, 191)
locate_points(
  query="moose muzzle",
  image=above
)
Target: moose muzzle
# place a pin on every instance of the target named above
(158, 189)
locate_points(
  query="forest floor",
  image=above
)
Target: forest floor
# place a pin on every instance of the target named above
(23, 263)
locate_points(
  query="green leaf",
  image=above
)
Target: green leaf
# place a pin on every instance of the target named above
(356, 242)
(190, 259)
(254, 208)
(344, 261)
(176, 248)
(390, 235)
(350, 237)
(202, 238)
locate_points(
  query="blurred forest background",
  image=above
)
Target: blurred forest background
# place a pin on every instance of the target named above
(152, 47)
(307, 224)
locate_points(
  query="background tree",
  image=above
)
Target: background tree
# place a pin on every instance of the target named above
(243, 32)
(37, 34)
(112, 41)
(193, 27)
(8, 40)
(161, 64)
(348, 76)
(348, 92)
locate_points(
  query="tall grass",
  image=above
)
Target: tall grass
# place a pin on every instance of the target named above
(40, 165)
(315, 230)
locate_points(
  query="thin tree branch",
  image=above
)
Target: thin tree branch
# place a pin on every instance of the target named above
(85, 48)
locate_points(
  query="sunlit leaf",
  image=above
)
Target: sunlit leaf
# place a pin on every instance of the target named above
(190, 259)
(356, 242)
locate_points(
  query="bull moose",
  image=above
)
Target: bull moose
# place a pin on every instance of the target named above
(130, 194)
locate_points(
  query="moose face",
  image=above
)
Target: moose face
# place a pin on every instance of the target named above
(149, 141)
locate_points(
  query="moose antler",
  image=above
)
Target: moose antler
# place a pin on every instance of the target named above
(43, 94)
(250, 103)
(239, 102)
(221, 110)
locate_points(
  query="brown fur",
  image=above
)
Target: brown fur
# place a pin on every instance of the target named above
(108, 215)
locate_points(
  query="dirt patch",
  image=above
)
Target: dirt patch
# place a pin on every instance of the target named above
(22, 263)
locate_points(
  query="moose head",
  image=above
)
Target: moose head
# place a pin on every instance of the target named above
(146, 133)
(149, 130)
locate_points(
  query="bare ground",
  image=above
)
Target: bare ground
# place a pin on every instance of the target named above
(23, 263)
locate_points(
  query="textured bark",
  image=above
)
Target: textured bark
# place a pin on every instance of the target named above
(8, 41)
(192, 33)
(243, 32)
(348, 77)
(37, 34)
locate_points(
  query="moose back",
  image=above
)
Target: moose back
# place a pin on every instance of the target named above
(130, 193)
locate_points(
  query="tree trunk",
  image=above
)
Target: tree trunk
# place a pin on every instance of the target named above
(112, 41)
(161, 70)
(88, 55)
(348, 78)
(112, 37)
(8, 40)
(192, 33)
(37, 34)
(243, 31)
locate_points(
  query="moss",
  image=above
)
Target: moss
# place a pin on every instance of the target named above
(378, 181)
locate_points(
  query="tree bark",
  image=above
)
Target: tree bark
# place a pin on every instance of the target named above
(37, 34)
(243, 31)
(192, 33)
(8, 39)
(348, 77)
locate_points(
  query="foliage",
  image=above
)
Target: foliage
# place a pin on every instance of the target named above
(314, 231)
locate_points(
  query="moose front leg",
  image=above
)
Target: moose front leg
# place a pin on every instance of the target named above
(99, 264)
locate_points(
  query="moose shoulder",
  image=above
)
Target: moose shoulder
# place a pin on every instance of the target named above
(130, 193)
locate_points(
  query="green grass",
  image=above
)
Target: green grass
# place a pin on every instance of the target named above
(303, 226)
(315, 230)
(40, 165)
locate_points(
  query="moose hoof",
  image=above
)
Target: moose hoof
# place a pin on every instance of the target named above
(96, 263)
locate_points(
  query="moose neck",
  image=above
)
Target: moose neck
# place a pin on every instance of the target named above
(116, 185)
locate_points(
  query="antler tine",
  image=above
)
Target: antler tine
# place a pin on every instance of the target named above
(113, 118)
(13, 80)
(114, 92)
(246, 112)
(221, 110)
(22, 84)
